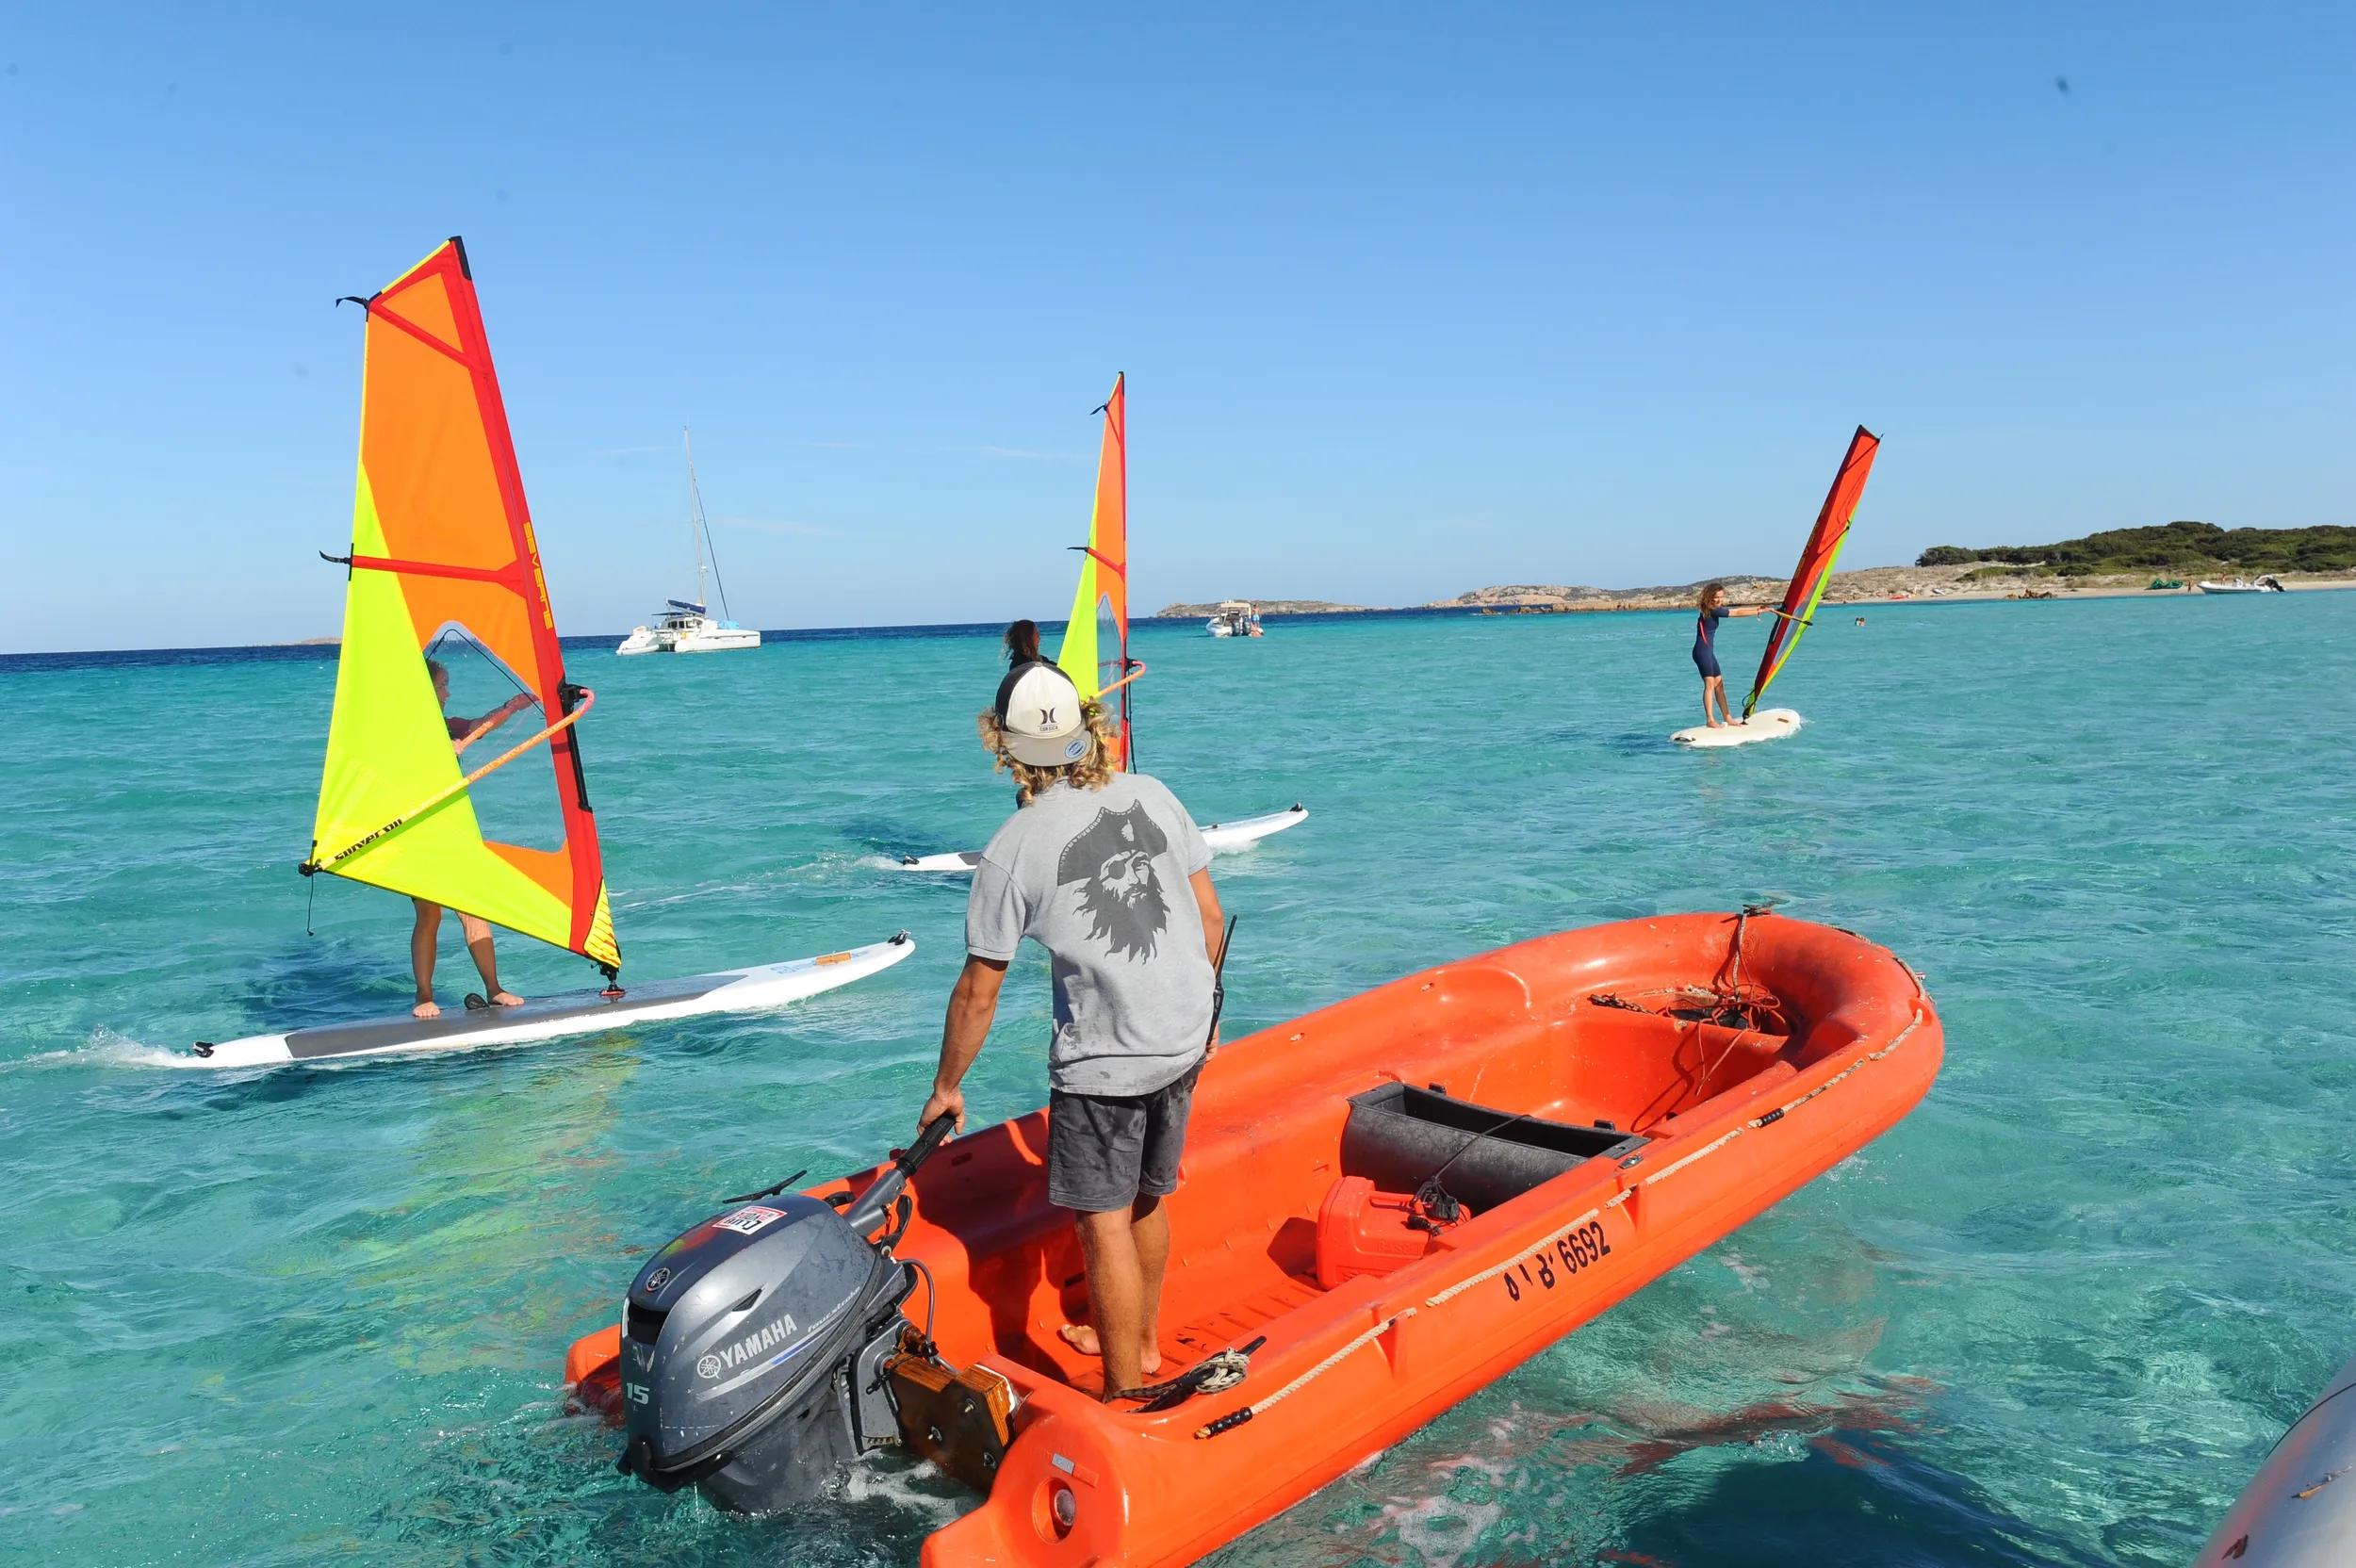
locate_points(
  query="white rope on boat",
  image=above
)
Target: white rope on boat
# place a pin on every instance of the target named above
(1238, 1417)
(1789, 1105)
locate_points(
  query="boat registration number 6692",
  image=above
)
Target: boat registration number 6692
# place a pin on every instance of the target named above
(1577, 1247)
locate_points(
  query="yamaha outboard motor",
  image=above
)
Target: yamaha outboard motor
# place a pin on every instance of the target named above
(753, 1346)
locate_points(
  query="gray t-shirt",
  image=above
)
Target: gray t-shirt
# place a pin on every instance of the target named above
(1098, 877)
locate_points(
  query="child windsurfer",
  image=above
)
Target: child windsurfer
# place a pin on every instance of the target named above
(425, 935)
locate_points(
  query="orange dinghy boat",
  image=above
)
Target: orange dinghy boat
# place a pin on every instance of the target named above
(1385, 1205)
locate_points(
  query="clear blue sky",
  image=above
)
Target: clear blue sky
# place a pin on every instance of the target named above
(1412, 298)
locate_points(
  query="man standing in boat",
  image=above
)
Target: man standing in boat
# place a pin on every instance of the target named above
(425, 935)
(1108, 872)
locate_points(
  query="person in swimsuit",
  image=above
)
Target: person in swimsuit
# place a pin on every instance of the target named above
(1713, 608)
(425, 935)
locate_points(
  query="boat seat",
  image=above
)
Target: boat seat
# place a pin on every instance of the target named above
(1398, 1136)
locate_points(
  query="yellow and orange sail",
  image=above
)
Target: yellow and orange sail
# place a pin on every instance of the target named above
(1095, 648)
(1817, 560)
(441, 540)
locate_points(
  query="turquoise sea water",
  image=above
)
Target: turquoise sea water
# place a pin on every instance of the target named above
(2054, 1318)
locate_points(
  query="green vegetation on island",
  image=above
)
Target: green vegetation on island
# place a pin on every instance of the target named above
(2182, 548)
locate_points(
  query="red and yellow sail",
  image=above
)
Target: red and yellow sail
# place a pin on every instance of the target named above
(441, 540)
(1817, 560)
(1095, 648)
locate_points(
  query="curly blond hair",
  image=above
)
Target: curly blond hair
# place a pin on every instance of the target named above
(1093, 772)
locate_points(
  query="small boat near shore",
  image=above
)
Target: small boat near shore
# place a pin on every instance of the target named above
(1234, 618)
(2268, 584)
(1388, 1203)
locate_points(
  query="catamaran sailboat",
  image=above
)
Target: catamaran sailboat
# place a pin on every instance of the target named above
(684, 628)
(1095, 647)
(687, 626)
(443, 558)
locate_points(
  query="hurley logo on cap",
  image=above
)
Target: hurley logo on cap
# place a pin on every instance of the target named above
(1041, 720)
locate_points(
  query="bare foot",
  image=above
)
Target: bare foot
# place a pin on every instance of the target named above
(426, 1009)
(1082, 1337)
(1717, 724)
(506, 999)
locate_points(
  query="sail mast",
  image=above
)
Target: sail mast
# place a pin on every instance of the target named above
(1095, 648)
(1817, 559)
(695, 516)
(699, 528)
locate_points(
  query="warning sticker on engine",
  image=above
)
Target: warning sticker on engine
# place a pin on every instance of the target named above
(749, 1219)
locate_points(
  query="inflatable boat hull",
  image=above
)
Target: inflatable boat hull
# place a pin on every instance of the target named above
(2299, 1510)
(1625, 1096)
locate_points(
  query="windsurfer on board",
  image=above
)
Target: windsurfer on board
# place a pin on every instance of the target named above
(1712, 605)
(425, 935)
(1107, 872)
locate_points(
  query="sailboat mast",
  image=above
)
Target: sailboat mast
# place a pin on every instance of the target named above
(695, 514)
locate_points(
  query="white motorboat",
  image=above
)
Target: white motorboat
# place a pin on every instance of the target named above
(2244, 585)
(688, 625)
(1234, 618)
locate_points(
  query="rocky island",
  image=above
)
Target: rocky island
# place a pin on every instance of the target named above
(2115, 560)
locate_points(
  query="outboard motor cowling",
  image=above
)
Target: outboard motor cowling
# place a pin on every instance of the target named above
(752, 1346)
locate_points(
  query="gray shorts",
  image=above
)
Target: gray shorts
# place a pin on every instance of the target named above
(1107, 1151)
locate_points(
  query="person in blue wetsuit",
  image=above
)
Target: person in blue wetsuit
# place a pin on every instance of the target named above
(1711, 606)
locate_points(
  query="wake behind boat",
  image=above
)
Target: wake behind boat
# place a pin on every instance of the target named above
(1095, 647)
(1801, 598)
(444, 563)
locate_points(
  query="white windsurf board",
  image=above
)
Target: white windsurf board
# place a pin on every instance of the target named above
(1222, 837)
(1768, 723)
(733, 990)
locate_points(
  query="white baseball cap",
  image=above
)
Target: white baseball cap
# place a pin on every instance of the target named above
(1039, 717)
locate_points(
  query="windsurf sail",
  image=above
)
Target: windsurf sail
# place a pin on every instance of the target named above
(443, 556)
(1095, 647)
(1817, 562)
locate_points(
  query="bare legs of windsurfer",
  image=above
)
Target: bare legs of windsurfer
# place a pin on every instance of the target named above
(425, 937)
(1715, 710)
